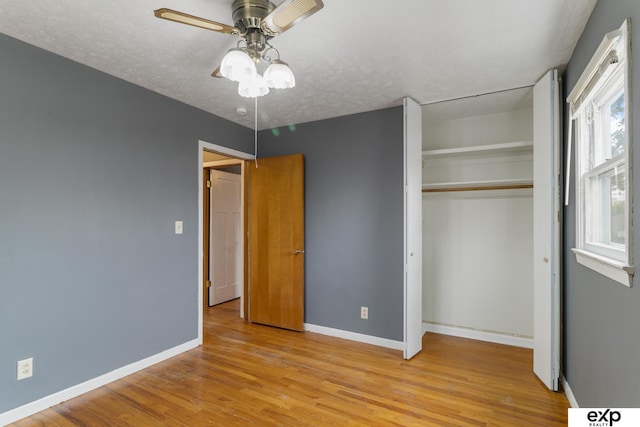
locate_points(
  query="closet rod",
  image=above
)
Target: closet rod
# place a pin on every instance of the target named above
(493, 187)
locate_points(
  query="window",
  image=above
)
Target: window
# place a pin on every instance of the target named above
(601, 118)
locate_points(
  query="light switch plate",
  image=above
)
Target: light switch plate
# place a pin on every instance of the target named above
(178, 227)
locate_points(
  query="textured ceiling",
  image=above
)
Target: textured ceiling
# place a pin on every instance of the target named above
(350, 57)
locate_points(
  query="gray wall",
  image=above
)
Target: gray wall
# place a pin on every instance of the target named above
(353, 218)
(602, 317)
(93, 173)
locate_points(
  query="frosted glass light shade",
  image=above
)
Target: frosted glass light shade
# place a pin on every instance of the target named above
(278, 75)
(253, 88)
(238, 66)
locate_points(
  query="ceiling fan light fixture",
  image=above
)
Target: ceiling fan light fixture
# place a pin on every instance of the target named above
(253, 88)
(255, 22)
(278, 75)
(238, 66)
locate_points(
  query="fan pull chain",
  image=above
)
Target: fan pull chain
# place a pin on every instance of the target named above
(255, 127)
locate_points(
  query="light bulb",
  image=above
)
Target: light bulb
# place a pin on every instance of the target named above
(279, 76)
(237, 66)
(253, 88)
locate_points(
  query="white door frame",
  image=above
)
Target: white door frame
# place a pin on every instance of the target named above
(203, 145)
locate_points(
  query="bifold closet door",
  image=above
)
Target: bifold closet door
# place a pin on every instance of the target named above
(546, 230)
(412, 228)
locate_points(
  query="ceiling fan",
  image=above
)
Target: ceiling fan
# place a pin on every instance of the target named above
(256, 22)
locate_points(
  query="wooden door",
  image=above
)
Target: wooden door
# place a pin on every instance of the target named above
(276, 241)
(225, 263)
(546, 230)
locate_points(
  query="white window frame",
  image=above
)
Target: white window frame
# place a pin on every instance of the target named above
(607, 74)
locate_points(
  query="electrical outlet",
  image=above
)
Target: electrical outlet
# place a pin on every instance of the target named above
(25, 368)
(364, 312)
(178, 227)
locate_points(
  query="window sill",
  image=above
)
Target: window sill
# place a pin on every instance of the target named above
(613, 269)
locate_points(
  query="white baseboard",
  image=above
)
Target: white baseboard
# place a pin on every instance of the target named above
(76, 390)
(569, 393)
(474, 334)
(354, 336)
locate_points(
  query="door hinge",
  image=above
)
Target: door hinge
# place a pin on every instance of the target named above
(208, 184)
(208, 282)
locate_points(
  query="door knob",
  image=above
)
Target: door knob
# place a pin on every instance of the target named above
(297, 252)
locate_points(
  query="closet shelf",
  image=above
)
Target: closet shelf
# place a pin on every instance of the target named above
(502, 184)
(505, 147)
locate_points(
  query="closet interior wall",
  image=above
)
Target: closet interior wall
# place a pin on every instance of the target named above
(478, 217)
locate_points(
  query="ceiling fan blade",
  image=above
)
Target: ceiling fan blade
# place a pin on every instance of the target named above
(289, 13)
(217, 73)
(183, 18)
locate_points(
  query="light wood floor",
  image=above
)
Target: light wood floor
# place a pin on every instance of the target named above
(252, 375)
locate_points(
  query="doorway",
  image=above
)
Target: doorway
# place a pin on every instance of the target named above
(223, 245)
(215, 157)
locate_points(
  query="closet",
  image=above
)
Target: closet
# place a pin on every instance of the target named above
(477, 197)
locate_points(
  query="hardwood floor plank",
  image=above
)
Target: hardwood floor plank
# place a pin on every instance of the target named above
(248, 374)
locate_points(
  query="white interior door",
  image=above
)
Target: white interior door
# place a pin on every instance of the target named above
(412, 228)
(546, 230)
(225, 263)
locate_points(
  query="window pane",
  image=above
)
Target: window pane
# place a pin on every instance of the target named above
(617, 197)
(616, 125)
(606, 215)
(591, 128)
(606, 127)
